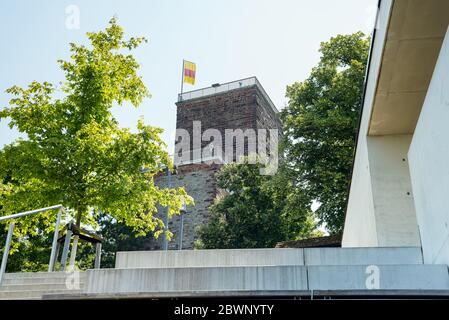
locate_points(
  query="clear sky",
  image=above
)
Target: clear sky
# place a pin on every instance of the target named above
(275, 40)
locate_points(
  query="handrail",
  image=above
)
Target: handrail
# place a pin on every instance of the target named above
(26, 213)
(11, 229)
(221, 84)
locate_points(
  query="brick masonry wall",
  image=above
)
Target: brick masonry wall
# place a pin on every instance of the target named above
(266, 118)
(230, 110)
(199, 182)
(244, 108)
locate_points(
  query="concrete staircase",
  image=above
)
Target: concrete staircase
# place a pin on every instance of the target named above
(266, 270)
(242, 272)
(34, 285)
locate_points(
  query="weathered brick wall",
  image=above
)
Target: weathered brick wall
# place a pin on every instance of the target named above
(199, 182)
(234, 109)
(266, 118)
(244, 108)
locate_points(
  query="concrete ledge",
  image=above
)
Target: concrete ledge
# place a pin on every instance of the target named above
(304, 294)
(196, 279)
(397, 277)
(362, 256)
(263, 278)
(209, 258)
(268, 257)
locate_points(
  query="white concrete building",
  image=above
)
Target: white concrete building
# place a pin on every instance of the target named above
(400, 183)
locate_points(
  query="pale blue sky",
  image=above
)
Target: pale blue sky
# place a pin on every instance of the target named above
(277, 41)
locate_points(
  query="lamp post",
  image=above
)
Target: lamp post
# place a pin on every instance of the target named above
(181, 231)
(165, 243)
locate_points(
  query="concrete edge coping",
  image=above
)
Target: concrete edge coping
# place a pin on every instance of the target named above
(206, 250)
(88, 271)
(261, 249)
(27, 275)
(251, 294)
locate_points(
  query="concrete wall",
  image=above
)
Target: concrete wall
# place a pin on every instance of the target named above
(196, 279)
(380, 207)
(403, 277)
(362, 256)
(429, 164)
(360, 223)
(209, 258)
(268, 257)
(219, 279)
(279, 269)
(391, 188)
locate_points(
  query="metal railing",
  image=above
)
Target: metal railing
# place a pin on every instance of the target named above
(224, 87)
(12, 217)
(197, 156)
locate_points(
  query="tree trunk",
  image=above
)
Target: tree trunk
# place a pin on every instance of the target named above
(75, 242)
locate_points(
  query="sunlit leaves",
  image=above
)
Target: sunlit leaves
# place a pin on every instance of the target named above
(75, 153)
(255, 211)
(320, 124)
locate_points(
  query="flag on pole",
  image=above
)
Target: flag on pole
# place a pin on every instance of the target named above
(189, 72)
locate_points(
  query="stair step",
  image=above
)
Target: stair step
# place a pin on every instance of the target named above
(268, 257)
(239, 270)
(41, 277)
(390, 277)
(33, 285)
(55, 274)
(397, 277)
(38, 286)
(33, 294)
(42, 281)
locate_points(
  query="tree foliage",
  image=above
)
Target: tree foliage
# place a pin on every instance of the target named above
(255, 211)
(76, 154)
(320, 124)
(118, 237)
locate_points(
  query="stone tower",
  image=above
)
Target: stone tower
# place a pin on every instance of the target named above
(241, 104)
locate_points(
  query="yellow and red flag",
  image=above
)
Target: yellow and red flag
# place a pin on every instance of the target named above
(189, 72)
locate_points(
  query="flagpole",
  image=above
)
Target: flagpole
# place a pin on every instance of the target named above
(182, 78)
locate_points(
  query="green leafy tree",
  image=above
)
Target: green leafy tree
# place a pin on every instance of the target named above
(32, 253)
(118, 237)
(320, 124)
(255, 211)
(76, 154)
